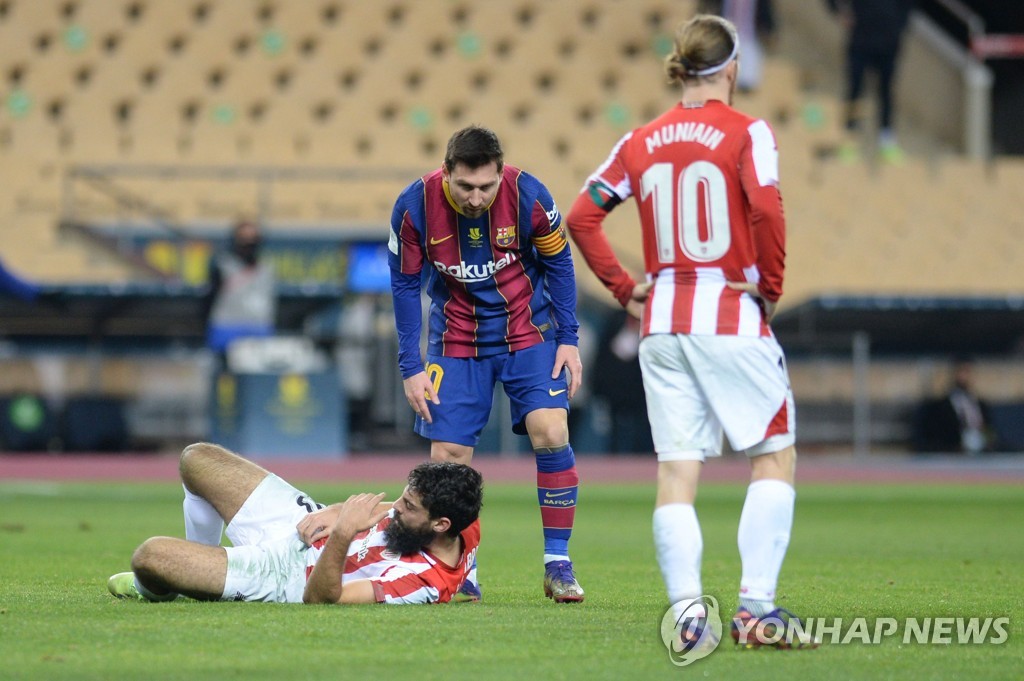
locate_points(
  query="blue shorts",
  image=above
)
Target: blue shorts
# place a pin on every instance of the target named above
(465, 387)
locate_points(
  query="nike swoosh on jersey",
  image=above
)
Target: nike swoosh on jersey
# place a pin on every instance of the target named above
(434, 242)
(555, 392)
(549, 495)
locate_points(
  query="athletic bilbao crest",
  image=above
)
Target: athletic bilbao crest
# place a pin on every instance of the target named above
(505, 236)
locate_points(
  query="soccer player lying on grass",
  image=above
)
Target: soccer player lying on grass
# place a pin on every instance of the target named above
(289, 549)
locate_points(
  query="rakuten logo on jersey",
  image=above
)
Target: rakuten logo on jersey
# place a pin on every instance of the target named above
(552, 214)
(467, 273)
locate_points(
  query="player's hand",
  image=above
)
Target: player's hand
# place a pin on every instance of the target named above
(419, 389)
(767, 306)
(318, 524)
(638, 299)
(568, 357)
(359, 512)
(635, 309)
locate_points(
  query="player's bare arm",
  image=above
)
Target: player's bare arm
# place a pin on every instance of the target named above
(568, 356)
(418, 389)
(319, 524)
(359, 512)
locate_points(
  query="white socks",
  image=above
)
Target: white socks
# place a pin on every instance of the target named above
(202, 522)
(678, 545)
(763, 538)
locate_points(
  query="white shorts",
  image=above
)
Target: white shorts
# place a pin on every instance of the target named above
(267, 561)
(701, 386)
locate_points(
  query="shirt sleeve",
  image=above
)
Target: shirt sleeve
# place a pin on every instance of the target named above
(552, 246)
(759, 175)
(405, 259)
(605, 189)
(398, 586)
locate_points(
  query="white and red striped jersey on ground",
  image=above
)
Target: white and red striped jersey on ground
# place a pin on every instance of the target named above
(705, 179)
(398, 579)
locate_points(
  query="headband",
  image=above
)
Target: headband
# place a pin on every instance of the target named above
(718, 67)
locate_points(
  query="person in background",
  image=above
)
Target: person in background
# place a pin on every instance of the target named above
(242, 297)
(959, 421)
(619, 384)
(875, 30)
(755, 23)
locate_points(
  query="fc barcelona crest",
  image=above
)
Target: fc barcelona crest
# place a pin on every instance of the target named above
(505, 236)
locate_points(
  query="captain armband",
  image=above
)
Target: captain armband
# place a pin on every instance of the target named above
(602, 195)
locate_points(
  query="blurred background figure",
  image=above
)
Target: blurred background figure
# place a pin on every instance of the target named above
(618, 384)
(755, 22)
(242, 297)
(960, 421)
(356, 357)
(875, 30)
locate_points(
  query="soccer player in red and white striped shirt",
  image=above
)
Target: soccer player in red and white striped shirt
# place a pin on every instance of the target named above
(287, 548)
(705, 180)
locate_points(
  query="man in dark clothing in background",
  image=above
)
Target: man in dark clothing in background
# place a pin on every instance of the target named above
(242, 296)
(875, 30)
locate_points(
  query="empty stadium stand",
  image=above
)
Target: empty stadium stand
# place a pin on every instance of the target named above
(312, 115)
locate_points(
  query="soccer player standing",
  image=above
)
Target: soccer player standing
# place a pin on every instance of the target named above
(705, 179)
(487, 240)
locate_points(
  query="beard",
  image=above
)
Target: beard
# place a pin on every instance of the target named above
(405, 540)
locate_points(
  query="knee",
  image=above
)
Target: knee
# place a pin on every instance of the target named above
(550, 438)
(451, 452)
(192, 458)
(780, 465)
(548, 430)
(677, 482)
(147, 557)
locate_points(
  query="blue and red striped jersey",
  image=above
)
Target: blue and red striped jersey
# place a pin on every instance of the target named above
(497, 283)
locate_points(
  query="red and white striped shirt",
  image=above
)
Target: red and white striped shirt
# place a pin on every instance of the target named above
(398, 579)
(705, 179)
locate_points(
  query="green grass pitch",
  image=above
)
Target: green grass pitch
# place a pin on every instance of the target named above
(857, 550)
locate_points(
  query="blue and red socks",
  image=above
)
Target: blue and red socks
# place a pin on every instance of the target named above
(557, 486)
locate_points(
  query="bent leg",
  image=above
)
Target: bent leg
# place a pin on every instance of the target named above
(557, 479)
(557, 490)
(451, 451)
(224, 479)
(164, 565)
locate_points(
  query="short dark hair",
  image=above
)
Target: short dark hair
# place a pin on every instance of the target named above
(449, 490)
(474, 146)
